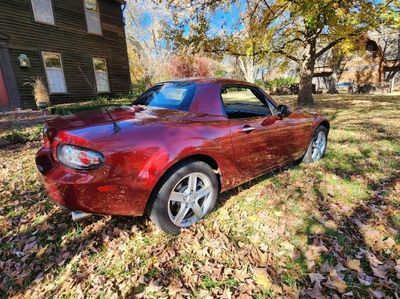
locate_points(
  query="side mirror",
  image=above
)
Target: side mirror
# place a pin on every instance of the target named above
(283, 110)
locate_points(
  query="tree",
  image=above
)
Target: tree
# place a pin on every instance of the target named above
(306, 30)
(302, 31)
(243, 44)
(336, 60)
(148, 51)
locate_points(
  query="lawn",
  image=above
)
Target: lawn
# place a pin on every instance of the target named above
(326, 229)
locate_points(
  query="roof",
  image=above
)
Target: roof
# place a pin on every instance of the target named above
(389, 42)
(211, 80)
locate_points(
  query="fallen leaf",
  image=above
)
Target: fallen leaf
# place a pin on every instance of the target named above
(337, 283)
(365, 279)
(315, 292)
(262, 278)
(316, 278)
(375, 293)
(41, 251)
(378, 272)
(174, 288)
(373, 261)
(240, 275)
(397, 268)
(354, 265)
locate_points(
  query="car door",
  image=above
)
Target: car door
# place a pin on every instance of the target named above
(260, 138)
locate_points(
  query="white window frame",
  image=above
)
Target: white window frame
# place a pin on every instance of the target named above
(98, 17)
(37, 18)
(47, 76)
(95, 75)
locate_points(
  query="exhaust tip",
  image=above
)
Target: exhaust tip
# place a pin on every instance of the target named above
(78, 215)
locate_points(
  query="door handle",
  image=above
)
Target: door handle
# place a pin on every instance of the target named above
(248, 129)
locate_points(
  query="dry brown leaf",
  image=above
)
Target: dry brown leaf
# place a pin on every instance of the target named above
(365, 279)
(379, 272)
(335, 280)
(354, 265)
(315, 292)
(397, 268)
(41, 251)
(336, 283)
(375, 293)
(325, 268)
(244, 296)
(316, 278)
(373, 261)
(240, 275)
(174, 288)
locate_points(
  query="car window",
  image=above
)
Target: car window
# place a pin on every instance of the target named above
(243, 102)
(174, 95)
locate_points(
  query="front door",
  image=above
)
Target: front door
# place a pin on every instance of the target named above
(4, 101)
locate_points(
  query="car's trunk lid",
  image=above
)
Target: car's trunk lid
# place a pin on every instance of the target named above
(114, 117)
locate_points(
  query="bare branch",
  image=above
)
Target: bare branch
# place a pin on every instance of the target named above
(328, 47)
(291, 57)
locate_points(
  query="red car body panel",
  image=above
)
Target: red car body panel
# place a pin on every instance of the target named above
(151, 140)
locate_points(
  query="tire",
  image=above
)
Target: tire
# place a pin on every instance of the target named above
(175, 196)
(316, 152)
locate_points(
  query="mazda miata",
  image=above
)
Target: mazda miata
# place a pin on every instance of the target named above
(173, 150)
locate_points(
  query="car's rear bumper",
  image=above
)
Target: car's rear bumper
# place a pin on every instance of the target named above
(99, 192)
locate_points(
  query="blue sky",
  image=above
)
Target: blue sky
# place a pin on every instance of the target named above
(228, 20)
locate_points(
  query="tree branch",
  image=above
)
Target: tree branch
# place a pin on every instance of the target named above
(328, 47)
(291, 57)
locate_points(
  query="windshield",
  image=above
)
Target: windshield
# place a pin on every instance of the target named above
(174, 95)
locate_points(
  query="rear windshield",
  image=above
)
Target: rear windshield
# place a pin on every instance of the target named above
(175, 95)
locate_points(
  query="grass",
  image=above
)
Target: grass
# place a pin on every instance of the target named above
(265, 238)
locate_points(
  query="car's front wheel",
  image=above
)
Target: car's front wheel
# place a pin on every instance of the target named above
(186, 194)
(317, 147)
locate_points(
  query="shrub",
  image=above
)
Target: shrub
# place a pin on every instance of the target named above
(183, 66)
(277, 83)
(138, 88)
(19, 135)
(65, 109)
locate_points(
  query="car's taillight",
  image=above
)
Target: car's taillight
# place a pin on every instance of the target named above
(79, 158)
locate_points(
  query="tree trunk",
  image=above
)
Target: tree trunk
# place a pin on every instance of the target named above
(305, 96)
(247, 68)
(332, 83)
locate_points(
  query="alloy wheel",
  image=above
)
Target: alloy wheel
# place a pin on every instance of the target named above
(190, 199)
(318, 146)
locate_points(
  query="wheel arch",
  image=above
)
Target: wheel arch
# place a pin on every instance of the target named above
(325, 123)
(210, 161)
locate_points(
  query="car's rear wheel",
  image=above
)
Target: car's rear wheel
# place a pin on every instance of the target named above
(186, 194)
(317, 147)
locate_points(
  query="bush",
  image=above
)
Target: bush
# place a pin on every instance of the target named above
(19, 135)
(138, 88)
(86, 105)
(65, 109)
(184, 66)
(277, 83)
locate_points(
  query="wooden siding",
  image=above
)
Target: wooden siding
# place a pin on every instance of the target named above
(68, 37)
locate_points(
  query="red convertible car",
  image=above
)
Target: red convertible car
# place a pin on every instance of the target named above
(171, 152)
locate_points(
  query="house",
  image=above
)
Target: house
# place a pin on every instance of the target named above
(376, 62)
(77, 47)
